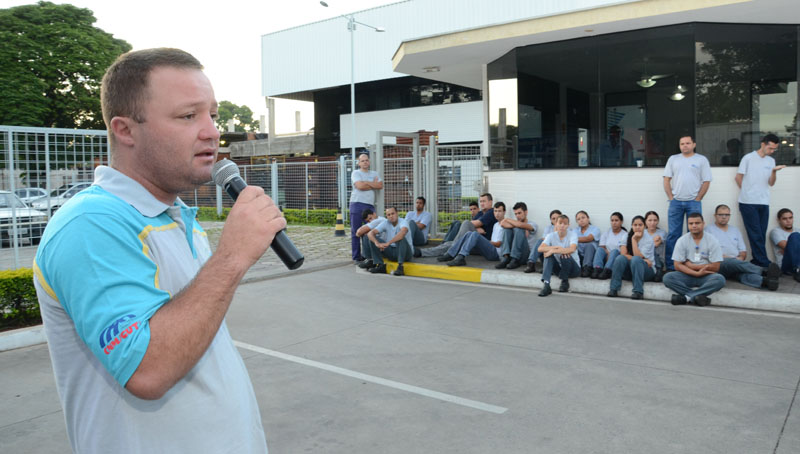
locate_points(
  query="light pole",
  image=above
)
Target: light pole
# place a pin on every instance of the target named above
(351, 27)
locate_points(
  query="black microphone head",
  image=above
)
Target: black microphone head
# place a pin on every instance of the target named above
(223, 171)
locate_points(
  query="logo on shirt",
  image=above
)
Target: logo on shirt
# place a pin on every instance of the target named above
(113, 334)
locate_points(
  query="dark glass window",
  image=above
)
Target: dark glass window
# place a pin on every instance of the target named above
(625, 99)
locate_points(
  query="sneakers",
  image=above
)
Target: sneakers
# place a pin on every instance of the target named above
(546, 290)
(605, 274)
(701, 300)
(530, 267)
(399, 271)
(678, 300)
(444, 258)
(417, 252)
(513, 264)
(596, 273)
(379, 269)
(564, 287)
(636, 296)
(772, 276)
(458, 261)
(612, 294)
(503, 263)
(366, 264)
(586, 271)
(659, 276)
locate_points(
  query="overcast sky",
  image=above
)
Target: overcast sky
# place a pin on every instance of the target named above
(224, 35)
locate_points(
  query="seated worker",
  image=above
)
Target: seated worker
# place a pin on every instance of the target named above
(453, 231)
(658, 236)
(535, 255)
(786, 240)
(560, 252)
(610, 243)
(482, 224)
(635, 261)
(418, 222)
(475, 243)
(588, 238)
(518, 234)
(734, 252)
(697, 258)
(371, 221)
(398, 247)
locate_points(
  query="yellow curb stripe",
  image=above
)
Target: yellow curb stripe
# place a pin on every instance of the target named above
(450, 273)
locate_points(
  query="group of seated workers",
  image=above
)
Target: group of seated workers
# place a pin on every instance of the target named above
(704, 257)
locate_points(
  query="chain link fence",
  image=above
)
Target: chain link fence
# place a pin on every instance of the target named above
(42, 168)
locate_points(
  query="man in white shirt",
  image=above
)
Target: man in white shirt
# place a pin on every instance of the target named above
(697, 259)
(687, 177)
(757, 172)
(734, 252)
(519, 235)
(365, 183)
(786, 241)
(371, 221)
(398, 246)
(419, 222)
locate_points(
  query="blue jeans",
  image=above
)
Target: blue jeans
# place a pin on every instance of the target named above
(515, 243)
(474, 243)
(600, 258)
(535, 254)
(677, 211)
(756, 219)
(356, 221)
(400, 253)
(417, 235)
(635, 269)
(745, 272)
(791, 254)
(565, 267)
(453, 231)
(691, 286)
(586, 253)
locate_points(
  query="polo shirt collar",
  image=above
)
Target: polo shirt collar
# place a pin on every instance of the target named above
(131, 191)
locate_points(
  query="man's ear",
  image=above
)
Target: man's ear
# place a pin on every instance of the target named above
(122, 128)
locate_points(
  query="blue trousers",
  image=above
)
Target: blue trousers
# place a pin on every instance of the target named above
(756, 219)
(791, 254)
(678, 210)
(600, 258)
(635, 269)
(691, 286)
(515, 243)
(356, 221)
(417, 235)
(565, 268)
(535, 254)
(474, 243)
(586, 252)
(452, 231)
(745, 272)
(400, 253)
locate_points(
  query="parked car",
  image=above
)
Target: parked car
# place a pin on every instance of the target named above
(59, 196)
(30, 222)
(29, 195)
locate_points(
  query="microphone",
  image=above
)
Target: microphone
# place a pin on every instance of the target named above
(226, 174)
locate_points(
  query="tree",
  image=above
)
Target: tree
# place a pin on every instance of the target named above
(241, 115)
(52, 62)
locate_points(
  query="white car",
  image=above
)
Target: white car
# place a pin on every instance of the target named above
(30, 222)
(59, 197)
(28, 195)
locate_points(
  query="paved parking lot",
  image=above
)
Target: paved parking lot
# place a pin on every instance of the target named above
(347, 362)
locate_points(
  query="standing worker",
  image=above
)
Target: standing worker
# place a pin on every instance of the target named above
(365, 182)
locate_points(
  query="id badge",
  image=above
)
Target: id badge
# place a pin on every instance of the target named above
(696, 257)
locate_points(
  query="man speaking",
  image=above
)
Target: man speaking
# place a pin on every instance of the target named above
(133, 302)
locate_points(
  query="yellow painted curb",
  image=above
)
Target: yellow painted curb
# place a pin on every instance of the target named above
(450, 273)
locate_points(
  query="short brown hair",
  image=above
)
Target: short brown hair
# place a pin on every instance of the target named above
(124, 88)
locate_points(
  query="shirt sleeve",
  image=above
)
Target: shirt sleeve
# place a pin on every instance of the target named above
(668, 168)
(743, 165)
(706, 174)
(573, 238)
(604, 238)
(426, 218)
(740, 242)
(775, 237)
(101, 275)
(679, 253)
(714, 250)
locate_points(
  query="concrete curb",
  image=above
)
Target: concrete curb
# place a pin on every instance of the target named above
(23, 337)
(653, 291)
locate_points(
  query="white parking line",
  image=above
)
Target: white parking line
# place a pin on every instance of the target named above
(377, 380)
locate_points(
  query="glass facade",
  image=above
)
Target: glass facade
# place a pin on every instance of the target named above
(625, 99)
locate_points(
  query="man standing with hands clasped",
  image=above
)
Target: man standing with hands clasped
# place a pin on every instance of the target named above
(132, 300)
(757, 172)
(687, 177)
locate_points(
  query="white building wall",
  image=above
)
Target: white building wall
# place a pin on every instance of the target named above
(633, 191)
(455, 122)
(317, 55)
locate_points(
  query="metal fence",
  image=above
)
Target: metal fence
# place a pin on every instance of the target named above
(61, 163)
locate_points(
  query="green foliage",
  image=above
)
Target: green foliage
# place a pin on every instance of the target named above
(446, 218)
(52, 61)
(242, 116)
(18, 303)
(315, 217)
(210, 214)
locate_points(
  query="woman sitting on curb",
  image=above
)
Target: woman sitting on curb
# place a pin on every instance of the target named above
(658, 236)
(610, 243)
(588, 237)
(635, 261)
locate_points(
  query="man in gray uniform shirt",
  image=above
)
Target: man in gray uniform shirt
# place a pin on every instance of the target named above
(697, 259)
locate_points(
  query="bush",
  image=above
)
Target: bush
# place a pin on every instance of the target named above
(210, 214)
(18, 303)
(323, 217)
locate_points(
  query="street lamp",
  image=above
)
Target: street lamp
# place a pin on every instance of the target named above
(351, 27)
